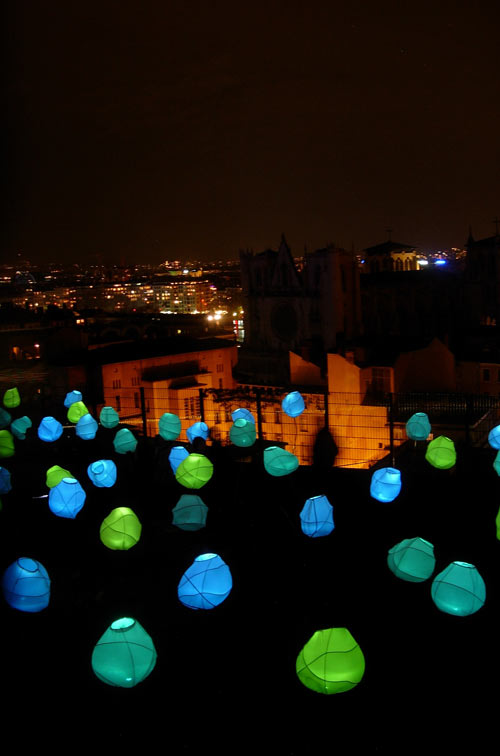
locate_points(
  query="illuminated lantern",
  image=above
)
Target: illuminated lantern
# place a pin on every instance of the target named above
(177, 455)
(7, 448)
(279, 462)
(459, 589)
(496, 463)
(26, 585)
(11, 398)
(49, 429)
(121, 529)
(317, 517)
(198, 429)
(412, 560)
(190, 513)
(102, 473)
(86, 427)
(418, 427)
(494, 437)
(5, 484)
(125, 655)
(124, 441)
(55, 474)
(206, 583)
(441, 453)
(5, 418)
(242, 414)
(385, 484)
(76, 411)
(20, 426)
(331, 662)
(242, 432)
(72, 397)
(293, 404)
(497, 523)
(67, 498)
(169, 426)
(194, 471)
(109, 417)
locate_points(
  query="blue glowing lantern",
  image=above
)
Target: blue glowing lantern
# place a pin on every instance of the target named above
(5, 484)
(177, 455)
(418, 427)
(109, 417)
(385, 484)
(412, 560)
(206, 583)
(279, 462)
(125, 655)
(242, 414)
(293, 404)
(459, 589)
(26, 585)
(7, 448)
(19, 426)
(86, 427)
(198, 429)
(190, 513)
(124, 441)
(72, 397)
(242, 432)
(5, 418)
(67, 498)
(317, 517)
(49, 429)
(169, 426)
(102, 473)
(494, 437)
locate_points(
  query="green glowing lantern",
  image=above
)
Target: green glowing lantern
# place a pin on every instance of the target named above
(331, 662)
(190, 513)
(169, 426)
(76, 411)
(125, 655)
(194, 471)
(441, 453)
(242, 432)
(109, 417)
(459, 589)
(124, 441)
(279, 462)
(7, 448)
(11, 398)
(5, 418)
(412, 560)
(19, 426)
(121, 529)
(55, 474)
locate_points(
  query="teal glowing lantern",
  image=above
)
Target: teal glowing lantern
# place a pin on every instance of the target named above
(7, 448)
(279, 462)
(55, 474)
(496, 463)
(177, 455)
(76, 411)
(412, 560)
(194, 471)
(11, 398)
(5, 482)
(124, 441)
(206, 584)
(197, 430)
(293, 404)
(125, 655)
(331, 662)
(19, 426)
(72, 397)
(49, 429)
(459, 589)
(169, 426)
(102, 473)
(242, 414)
(86, 427)
(418, 427)
(242, 432)
(317, 517)
(26, 585)
(441, 453)
(494, 437)
(67, 498)
(190, 513)
(121, 529)
(5, 418)
(385, 484)
(109, 417)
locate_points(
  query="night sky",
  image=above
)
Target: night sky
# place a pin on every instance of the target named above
(188, 130)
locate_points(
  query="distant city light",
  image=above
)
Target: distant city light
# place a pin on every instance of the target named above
(440, 262)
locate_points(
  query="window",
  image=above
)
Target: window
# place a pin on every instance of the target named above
(220, 367)
(486, 374)
(118, 403)
(137, 402)
(135, 381)
(117, 384)
(220, 382)
(192, 407)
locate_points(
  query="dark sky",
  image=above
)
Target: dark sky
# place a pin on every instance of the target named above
(188, 130)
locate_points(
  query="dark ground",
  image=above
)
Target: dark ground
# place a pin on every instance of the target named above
(225, 679)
